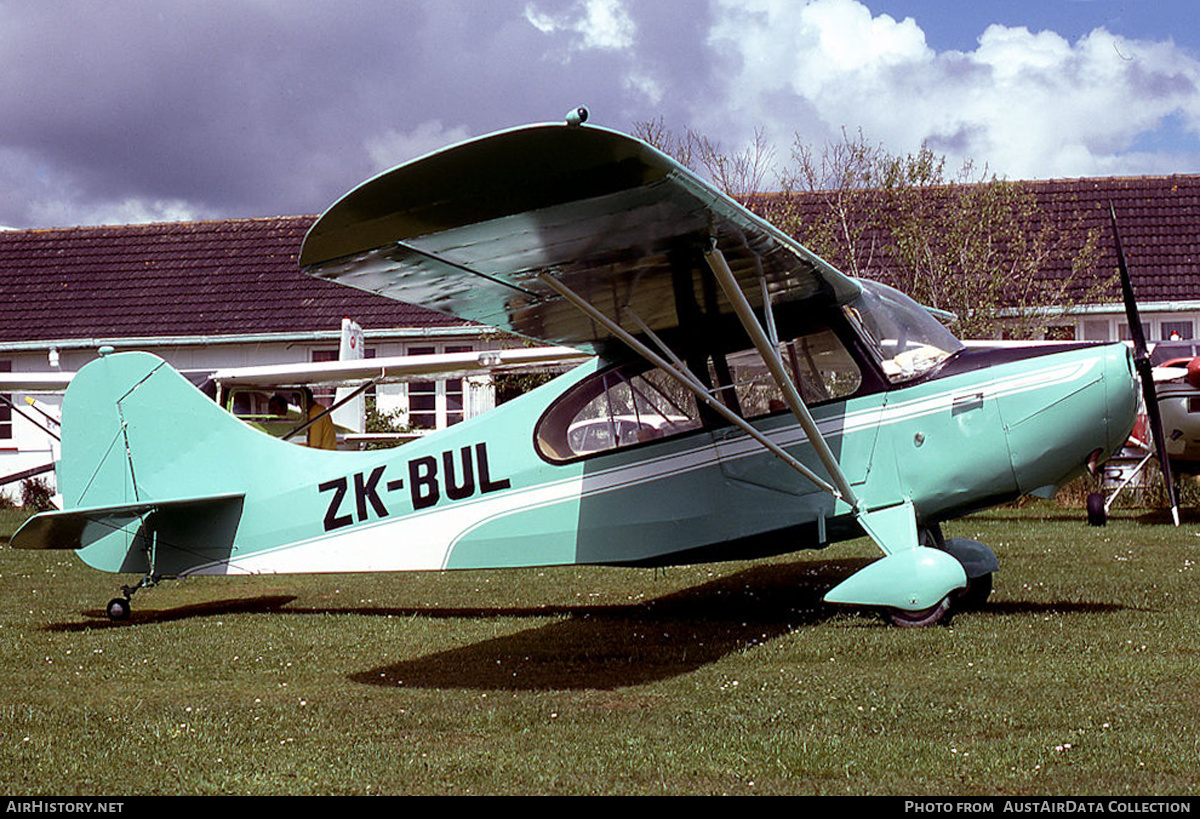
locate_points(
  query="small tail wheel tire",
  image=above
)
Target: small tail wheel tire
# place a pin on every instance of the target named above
(119, 609)
(1096, 515)
(931, 616)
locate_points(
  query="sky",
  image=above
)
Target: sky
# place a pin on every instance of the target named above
(166, 110)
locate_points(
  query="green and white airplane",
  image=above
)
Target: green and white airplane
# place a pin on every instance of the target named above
(745, 399)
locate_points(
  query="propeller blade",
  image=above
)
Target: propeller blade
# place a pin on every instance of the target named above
(1145, 370)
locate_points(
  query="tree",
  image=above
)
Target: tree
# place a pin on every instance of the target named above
(969, 242)
(737, 175)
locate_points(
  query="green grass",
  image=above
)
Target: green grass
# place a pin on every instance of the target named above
(1080, 678)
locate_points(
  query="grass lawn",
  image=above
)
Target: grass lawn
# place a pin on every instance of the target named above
(1079, 678)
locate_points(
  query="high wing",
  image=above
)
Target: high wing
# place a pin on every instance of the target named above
(586, 237)
(395, 368)
(390, 369)
(475, 230)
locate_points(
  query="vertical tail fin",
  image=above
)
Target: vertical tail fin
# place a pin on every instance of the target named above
(139, 440)
(135, 430)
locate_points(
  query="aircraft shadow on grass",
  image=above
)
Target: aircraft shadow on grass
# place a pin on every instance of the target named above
(608, 647)
(213, 608)
(601, 647)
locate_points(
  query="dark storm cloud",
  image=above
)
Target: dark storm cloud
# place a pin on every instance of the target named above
(258, 108)
(170, 100)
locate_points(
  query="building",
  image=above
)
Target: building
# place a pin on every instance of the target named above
(201, 295)
(1159, 219)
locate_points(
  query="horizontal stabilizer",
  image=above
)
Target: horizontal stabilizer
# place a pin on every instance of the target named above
(80, 528)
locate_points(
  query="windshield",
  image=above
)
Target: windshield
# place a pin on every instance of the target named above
(910, 342)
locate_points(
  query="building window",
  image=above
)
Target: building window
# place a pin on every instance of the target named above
(1176, 330)
(436, 404)
(1096, 330)
(6, 420)
(422, 397)
(1125, 335)
(456, 390)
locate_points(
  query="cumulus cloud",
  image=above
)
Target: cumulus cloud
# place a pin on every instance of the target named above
(1029, 104)
(129, 211)
(596, 24)
(392, 147)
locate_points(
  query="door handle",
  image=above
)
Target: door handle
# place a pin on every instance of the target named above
(966, 403)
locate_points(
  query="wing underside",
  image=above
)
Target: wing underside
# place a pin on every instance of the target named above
(474, 231)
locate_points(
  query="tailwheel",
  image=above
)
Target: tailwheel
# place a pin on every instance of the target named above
(1096, 514)
(940, 612)
(119, 608)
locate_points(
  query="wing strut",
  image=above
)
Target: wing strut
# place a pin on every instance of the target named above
(329, 410)
(8, 402)
(679, 372)
(770, 357)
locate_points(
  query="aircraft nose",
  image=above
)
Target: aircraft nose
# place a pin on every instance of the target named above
(1121, 387)
(1078, 403)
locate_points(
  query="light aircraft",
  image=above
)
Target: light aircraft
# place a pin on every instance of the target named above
(246, 392)
(786, 406)
(1177, 390)
(1168, 398)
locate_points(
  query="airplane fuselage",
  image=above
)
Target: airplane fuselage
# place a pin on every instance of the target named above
(984, 428)
(749, 399)
(952, 444)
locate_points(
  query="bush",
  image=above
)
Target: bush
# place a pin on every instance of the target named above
(36, 495)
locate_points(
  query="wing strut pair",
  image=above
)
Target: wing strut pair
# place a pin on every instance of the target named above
(893, 528)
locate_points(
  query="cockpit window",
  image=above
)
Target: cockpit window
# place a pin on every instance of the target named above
(636, 403)
(817, 362)
(613, 409)
(908, 340)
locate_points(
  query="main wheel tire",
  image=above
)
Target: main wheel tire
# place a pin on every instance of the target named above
(918, 619)
(975, 595)
(1095, 510)
(118, 609)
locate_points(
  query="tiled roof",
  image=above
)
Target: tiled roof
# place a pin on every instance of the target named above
(1159, 219)
(241, 276)
(178, 279)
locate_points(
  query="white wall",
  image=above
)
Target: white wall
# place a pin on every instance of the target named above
(30, 446)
